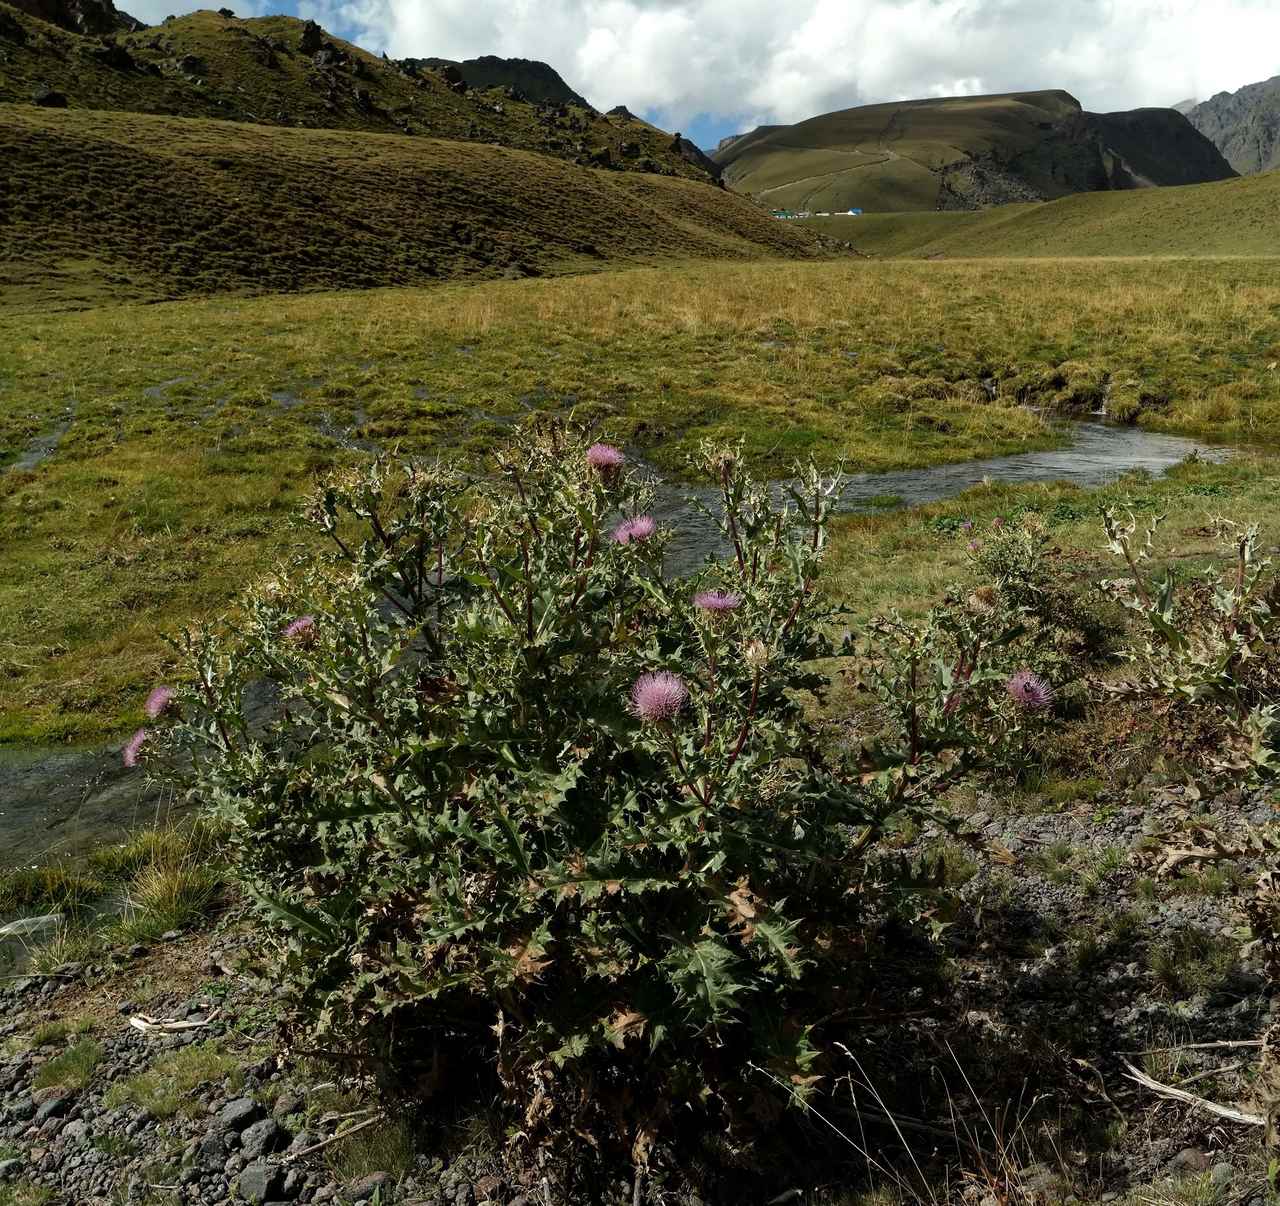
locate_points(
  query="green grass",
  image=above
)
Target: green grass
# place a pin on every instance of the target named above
(253, 70)
(199, 426)
(111, 206)
(71, 1070)
(48, 1033)
(23, 1193)
(1227, 218)
(165, 1089)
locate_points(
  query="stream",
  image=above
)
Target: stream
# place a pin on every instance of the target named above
(66, 800)
(1097, 455)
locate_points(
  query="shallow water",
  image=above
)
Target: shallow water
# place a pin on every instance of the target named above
(1097, 455)
(68, 800)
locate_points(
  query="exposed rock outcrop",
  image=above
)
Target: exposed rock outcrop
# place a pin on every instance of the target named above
(1244, 126)
(537, 81)
(96, 17)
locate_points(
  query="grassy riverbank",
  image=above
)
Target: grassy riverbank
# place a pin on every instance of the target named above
(155, 455)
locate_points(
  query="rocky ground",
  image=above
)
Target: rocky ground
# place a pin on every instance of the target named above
(1068, 957)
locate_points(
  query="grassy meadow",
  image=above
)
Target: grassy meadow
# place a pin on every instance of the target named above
(1227, 218)
(182, 438)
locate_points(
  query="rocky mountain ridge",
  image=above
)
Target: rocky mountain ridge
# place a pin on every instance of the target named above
(1243, 125)
(539, 82)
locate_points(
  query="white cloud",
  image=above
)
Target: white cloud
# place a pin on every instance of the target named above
(783, 60)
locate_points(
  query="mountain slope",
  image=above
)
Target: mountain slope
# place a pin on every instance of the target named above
(126, 205)
(1238, 217)
(1244, 125)
(964, 153)
(285, 72)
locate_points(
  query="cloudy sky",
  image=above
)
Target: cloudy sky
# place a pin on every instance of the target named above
(713, 67)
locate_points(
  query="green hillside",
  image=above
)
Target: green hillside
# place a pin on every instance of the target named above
(122, 205)
(281, 71)
(1230, 218)
(964, 153)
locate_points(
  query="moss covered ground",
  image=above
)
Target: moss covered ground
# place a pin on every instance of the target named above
(152, 457)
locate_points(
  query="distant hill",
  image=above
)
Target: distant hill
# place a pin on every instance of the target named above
(535, 81)
(1237, 217)
(1244, 125)
(281, 71)
(133, 206)
(965, 153)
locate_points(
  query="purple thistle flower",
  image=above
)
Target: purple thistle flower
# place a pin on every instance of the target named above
(998, 522)
(974, 546)
(605, 459)
(967, 526)
(133, 747)
(302, 630)
(158, 702)
(658, 696)
(1029, 691)
(641, 527)
(716, 602)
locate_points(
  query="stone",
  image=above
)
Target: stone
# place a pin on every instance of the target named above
(54, 1108)
(11, 30)
(366, 1187)
(9, 1168)
(47, 98)
(1222, 1174)
(259, 1181)
(286, 1104)
(262, 1138)
(312, 38)
(1190, 1160)
(211, 1152)
(238, 1114)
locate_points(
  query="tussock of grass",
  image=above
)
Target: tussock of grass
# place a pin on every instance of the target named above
(48, 1033)
(56, 887)
(25, 1194)
(385, 1147)
(166, 1088)
(163, 897)
(72, 1069)
(170, 879)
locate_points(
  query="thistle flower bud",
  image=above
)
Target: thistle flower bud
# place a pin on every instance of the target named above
(756, 654)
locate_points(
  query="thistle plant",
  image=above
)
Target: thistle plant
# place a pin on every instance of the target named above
(510, 798)
(1207, 643)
